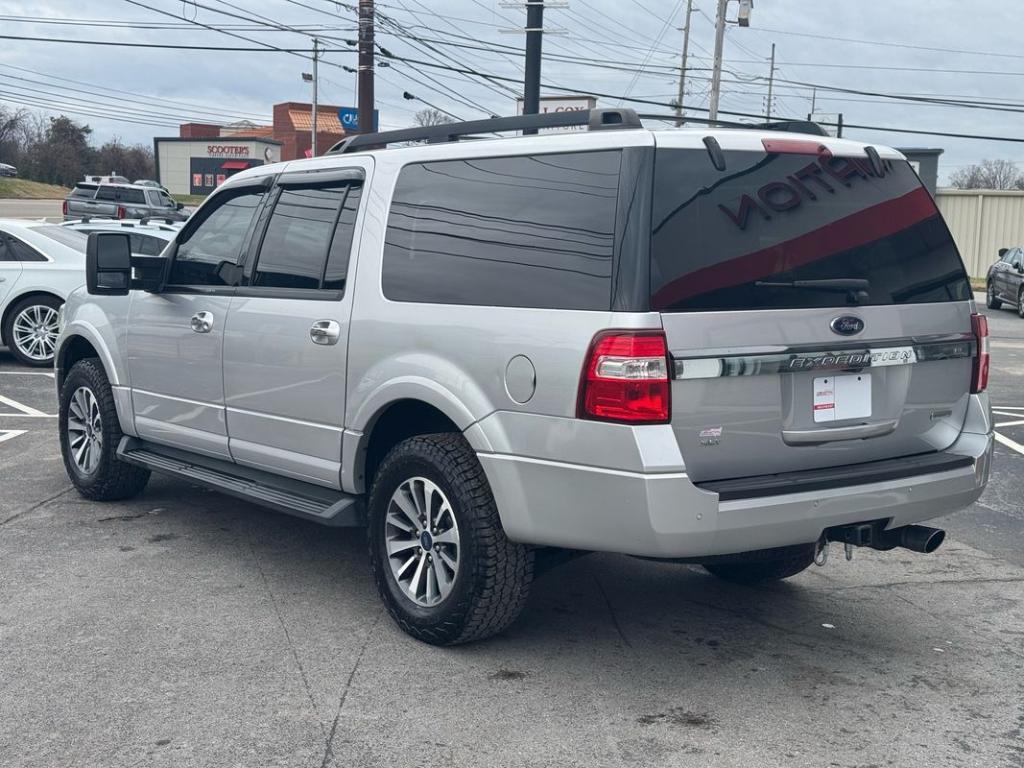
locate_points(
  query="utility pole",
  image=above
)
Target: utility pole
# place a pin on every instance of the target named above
(682, 68)
(716, 73)
(316, 55)
(366, 98)
(771, 81)
(534, 45)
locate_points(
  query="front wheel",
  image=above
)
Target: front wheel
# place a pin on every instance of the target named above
(990, 297)
(764, 566)
(32, 329)
(89, 434)
(442, 563)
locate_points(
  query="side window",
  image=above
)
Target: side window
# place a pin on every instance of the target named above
(22, 252)
(106, 193)
(209, 248)
(307, 225)
(512, 231)
(153, 199)
(341, 246)
(1016, 257)
(135, 196)
(146, 245)
(5, 252)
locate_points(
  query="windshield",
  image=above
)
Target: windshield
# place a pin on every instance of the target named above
(69, 237)
(779, 231)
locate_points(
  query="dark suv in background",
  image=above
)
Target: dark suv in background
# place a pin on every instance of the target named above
(1005, 281)
(120, 201)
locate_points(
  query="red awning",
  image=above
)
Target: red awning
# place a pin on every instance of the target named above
(235, 165)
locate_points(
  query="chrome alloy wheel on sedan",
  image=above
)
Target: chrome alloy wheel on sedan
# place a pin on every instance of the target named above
(35, 331)
(422, 540)
(85, 430)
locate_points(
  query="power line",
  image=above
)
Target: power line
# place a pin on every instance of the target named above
(121, 44)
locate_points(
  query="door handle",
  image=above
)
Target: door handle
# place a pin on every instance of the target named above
(202, 322)
(325, 332)
(3, 279)
(833, 434)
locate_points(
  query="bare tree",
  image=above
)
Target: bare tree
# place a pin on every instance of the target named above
(989, 174)
(431, 116)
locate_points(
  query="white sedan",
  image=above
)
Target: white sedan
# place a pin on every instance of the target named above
(40, 264)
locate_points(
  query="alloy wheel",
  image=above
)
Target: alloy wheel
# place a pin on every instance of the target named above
(35, 332)
(85, 430)
(422, 540)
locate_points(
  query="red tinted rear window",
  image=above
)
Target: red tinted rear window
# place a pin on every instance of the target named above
(720, 237)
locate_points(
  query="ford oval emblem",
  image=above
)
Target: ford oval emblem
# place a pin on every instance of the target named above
(846, 325)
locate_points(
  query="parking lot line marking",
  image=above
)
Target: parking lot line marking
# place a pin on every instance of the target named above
(1008, 408)
(9, 434)
(1013, 445)
(1007, 413)
(26, 410)
(26, 373)
(1010, 423)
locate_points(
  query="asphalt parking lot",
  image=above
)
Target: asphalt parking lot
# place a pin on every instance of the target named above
(186, 628)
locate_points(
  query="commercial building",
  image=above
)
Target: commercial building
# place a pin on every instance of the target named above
(203, 155)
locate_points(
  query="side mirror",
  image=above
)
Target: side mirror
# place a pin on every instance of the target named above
(108, 263)
(178, 206)
(1002, 252)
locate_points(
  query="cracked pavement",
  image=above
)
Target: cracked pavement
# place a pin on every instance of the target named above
(185, 628)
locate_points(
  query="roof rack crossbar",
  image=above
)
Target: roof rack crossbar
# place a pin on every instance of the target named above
(594, 119)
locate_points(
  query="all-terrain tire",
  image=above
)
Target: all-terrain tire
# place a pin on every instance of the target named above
(493, 577)
(764, 566)
(111, 479)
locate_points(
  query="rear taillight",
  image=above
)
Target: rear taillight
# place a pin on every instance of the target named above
(626, 378)
(979, 375)
(64, 208)
(121, 212)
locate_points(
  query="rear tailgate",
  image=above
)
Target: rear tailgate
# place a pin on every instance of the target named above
(777, 374)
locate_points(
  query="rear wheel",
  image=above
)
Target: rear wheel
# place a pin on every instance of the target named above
(764, 566)
(990, 297)
(89, 434)
(31, 330)
(1020, 301)
(442, 563)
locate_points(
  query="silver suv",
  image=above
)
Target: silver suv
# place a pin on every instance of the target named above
(725, 347)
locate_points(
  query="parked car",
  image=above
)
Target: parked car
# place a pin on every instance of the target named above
(40, 264)
(725, 347)
(8, 170)
(120, 201)
(1005, 281)
(148, 237)
(108, 179)
(150, 183)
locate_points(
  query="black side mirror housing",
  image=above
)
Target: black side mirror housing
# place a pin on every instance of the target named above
(178, 206)
(108, 264)
(1002, 252)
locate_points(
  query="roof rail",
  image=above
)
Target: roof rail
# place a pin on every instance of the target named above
(594, 119)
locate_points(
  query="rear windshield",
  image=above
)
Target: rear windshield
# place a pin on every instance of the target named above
(69, 237)
(84, 190)
(734, 239)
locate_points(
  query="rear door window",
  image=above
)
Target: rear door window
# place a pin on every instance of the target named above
(301, 234)
(526, 231)
(740, 238)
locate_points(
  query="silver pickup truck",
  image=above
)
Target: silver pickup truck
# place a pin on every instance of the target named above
(120, 201)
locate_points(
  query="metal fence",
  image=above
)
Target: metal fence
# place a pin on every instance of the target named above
(982, 221)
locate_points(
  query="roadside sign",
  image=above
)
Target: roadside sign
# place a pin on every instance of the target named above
(349, 117)
(562, 104)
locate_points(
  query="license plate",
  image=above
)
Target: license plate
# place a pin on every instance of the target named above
(842, 397)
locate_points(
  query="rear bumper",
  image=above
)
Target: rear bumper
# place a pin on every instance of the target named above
(663, 514)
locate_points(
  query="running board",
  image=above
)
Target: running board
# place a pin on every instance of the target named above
(293, 497)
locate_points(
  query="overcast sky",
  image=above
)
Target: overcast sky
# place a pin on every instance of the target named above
(948, 49)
